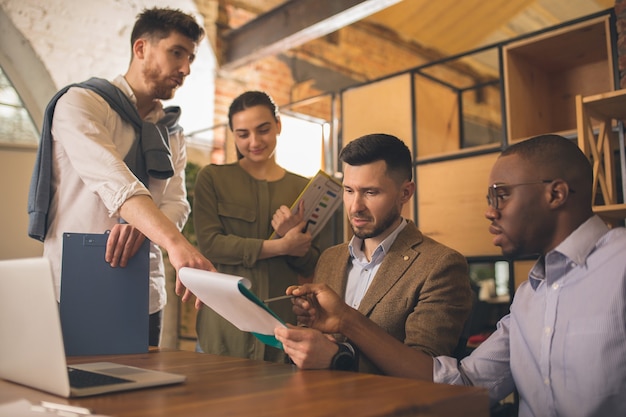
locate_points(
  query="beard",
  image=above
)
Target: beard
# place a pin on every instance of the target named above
(384, 224)
(158, 87)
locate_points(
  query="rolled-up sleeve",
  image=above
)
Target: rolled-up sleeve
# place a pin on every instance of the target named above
(173, 201)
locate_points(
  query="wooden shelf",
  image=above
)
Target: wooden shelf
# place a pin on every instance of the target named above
(611, 212)
(596, 116)
(544, 73)
(611, 105)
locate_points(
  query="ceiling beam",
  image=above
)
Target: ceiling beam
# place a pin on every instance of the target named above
(290, 25)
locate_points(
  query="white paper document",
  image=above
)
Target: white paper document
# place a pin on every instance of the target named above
(23, 408)
(230, 297)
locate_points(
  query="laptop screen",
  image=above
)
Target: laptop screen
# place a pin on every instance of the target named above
(31, 342)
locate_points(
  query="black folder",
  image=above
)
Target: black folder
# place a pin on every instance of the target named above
(104, 310)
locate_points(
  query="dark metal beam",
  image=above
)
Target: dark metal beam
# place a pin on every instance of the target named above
(292, 24)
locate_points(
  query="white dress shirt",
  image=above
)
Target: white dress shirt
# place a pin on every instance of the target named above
(90, 180)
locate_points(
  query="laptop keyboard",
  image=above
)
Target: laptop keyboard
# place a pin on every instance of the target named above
(85, 379)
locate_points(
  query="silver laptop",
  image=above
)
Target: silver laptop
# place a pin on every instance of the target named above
(31, 341)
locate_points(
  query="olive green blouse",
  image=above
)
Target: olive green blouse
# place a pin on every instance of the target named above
(232, 213)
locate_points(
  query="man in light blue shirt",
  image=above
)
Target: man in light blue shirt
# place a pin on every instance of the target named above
(563, 345)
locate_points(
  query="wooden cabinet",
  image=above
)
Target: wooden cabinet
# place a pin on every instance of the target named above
(544, 73)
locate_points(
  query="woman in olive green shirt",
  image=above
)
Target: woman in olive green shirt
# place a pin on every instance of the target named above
(236, 208)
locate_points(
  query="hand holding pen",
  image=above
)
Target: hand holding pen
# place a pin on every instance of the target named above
(281, 297)
(319, 307)
(285, 297)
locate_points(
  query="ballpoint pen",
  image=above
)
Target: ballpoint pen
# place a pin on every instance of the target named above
(282, 297)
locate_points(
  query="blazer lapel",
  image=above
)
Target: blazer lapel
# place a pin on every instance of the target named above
(333, 267)
(338, 279)
(401, 255)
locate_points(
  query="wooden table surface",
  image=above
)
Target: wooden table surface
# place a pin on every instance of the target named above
(225, 386)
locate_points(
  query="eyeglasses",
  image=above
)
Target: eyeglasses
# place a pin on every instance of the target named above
(497, 192)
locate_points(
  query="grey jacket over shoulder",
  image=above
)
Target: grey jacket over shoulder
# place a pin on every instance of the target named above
(149, 155)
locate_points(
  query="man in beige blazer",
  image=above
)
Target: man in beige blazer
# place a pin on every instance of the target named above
(413, 287)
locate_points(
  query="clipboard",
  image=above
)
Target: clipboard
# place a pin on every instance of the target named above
(230, 297)
(322, 197)
(104, 310)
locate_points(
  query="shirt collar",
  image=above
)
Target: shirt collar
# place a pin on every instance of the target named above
(121, 83)
(156, 113)
(356, 243)
(576, 247)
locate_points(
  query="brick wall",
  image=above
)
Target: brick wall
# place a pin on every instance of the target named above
(361, 52)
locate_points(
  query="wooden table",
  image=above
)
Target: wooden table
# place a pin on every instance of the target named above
(225, 386)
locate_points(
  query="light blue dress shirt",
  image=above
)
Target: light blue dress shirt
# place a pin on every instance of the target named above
(563, 345)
